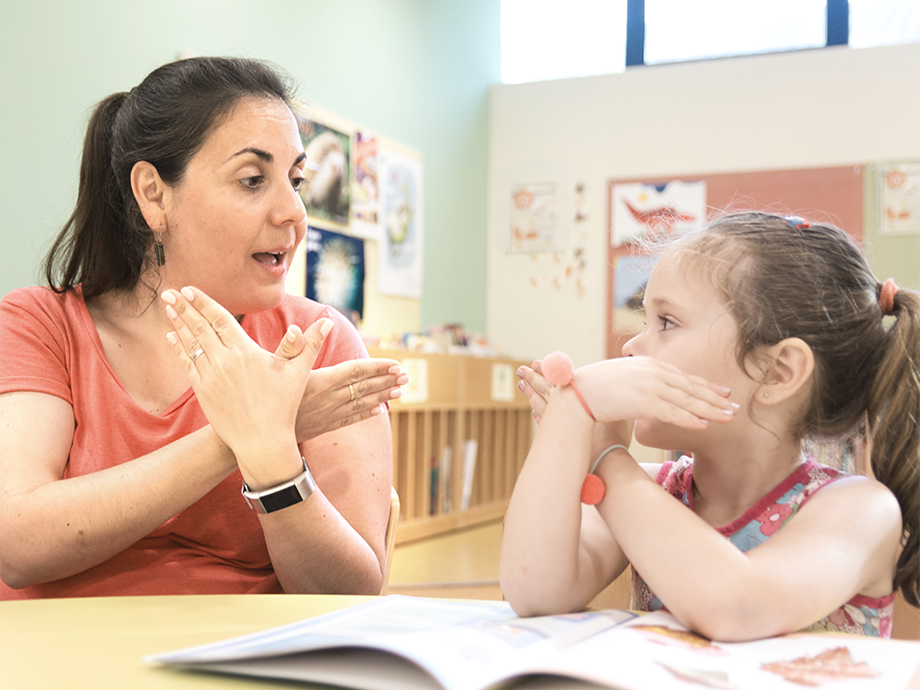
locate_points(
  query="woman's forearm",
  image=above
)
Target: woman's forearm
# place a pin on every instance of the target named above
(66, 526)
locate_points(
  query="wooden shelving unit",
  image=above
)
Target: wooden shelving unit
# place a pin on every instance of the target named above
(455, 400)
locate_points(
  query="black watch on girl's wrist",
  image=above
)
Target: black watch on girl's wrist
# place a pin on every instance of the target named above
(298, 490)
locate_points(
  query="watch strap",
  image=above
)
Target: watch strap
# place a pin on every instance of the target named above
(285, 495)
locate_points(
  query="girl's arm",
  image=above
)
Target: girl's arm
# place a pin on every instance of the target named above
(557, 554)
(843, 542)
(54, 528)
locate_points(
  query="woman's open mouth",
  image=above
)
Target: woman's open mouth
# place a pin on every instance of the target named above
(269, 258)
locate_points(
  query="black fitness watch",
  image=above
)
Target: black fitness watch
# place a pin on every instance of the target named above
(298, 490)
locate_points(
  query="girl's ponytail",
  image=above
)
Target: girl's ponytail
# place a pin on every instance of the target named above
(894, 430)
(88, 250)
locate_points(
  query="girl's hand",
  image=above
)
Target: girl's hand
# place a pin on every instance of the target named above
(534, 386)
(250, 396)
(629, 388)
(327, 402)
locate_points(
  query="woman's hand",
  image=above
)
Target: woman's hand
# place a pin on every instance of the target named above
(629, 388)
(534, 386)
(250, 396)
(328, 402)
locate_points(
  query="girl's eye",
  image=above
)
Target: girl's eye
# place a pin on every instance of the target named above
(252, 182)
(666, 323)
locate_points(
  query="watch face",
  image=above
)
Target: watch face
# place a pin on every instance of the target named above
(282, 498)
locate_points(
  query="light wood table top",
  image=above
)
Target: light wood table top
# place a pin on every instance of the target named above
(98, 643)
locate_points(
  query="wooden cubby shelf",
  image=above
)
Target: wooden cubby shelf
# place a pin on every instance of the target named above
(456, 403)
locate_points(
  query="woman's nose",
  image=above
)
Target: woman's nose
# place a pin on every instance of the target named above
(290, 208)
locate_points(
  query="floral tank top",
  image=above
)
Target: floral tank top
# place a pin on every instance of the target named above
(859, 616)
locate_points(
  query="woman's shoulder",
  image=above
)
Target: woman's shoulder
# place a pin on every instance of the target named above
(40, 302)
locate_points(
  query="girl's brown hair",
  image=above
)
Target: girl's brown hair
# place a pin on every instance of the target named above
(781, 278)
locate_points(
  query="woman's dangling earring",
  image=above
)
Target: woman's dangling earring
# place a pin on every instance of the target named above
(158, 249)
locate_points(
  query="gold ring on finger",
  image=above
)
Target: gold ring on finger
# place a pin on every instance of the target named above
(351, 389)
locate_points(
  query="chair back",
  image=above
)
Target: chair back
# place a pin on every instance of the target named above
(390, 538)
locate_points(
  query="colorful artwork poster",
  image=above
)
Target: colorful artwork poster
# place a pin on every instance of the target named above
(899, 199)
(640, 210)
(326, 191)
(399, 269)
(533, 217)
(364, 206)
(630, 276)
(335, 271)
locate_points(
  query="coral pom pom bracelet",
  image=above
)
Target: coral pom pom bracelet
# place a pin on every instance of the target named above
(558, 370)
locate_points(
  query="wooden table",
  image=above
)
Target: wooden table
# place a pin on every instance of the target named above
(98, 643)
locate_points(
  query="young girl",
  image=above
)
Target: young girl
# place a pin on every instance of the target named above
(762, 332)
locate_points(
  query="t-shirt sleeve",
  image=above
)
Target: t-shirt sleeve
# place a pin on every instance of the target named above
(34, 343)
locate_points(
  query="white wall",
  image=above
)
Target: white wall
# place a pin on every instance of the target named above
(795, 110)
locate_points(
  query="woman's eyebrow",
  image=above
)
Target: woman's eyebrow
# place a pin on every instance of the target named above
(265, 155)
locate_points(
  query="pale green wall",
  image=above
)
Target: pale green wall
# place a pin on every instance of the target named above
(417, 71)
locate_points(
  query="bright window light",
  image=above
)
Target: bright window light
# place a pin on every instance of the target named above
(556, 39)
(677, 30)
(884, 22)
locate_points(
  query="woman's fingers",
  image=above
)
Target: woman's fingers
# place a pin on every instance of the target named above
(203, 326)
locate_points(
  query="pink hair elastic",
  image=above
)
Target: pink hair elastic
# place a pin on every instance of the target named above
(558, 370)
(886, 297)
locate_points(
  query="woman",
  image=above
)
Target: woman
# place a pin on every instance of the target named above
(120, 479)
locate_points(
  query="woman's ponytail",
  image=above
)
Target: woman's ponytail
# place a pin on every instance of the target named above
(88, 250)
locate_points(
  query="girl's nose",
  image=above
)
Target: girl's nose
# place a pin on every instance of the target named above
(631, 346)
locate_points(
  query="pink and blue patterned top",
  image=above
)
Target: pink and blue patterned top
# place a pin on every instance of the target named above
(859, 616)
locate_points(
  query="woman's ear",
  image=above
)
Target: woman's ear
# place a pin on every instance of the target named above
(149, 191)
(793, 366)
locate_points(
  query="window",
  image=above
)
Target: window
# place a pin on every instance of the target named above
(883, 22)
(556, 39)
(677, 30)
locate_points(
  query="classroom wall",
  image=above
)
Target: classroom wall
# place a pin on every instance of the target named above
(417, 71)
(806, 109)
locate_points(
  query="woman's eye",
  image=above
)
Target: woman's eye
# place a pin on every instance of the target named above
(297, 182)
(252, 182)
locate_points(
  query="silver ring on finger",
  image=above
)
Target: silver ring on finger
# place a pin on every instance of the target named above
(197, 353)
(351, 390)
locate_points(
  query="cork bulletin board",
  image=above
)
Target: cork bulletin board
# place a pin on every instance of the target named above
(831, 195)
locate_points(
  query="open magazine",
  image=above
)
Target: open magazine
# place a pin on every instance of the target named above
(408, 643)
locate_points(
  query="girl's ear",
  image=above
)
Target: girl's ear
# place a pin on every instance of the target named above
(793, 366)
(149, 191)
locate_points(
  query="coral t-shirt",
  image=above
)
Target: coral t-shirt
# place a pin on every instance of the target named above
(49, 344)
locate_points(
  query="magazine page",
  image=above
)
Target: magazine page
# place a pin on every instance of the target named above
(460, 645)
(656, 652)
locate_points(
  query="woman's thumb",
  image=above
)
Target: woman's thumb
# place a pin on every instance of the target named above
(292, 343)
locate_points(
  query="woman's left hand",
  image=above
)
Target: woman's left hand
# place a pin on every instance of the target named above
(250, 396)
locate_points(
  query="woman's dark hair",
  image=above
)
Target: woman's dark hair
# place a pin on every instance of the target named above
(105, 245)
(784, 279)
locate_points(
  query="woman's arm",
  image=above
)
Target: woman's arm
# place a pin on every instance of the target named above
(334, 541)
(53, 528)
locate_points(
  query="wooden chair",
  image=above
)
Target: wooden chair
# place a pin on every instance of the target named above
(390, 538)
